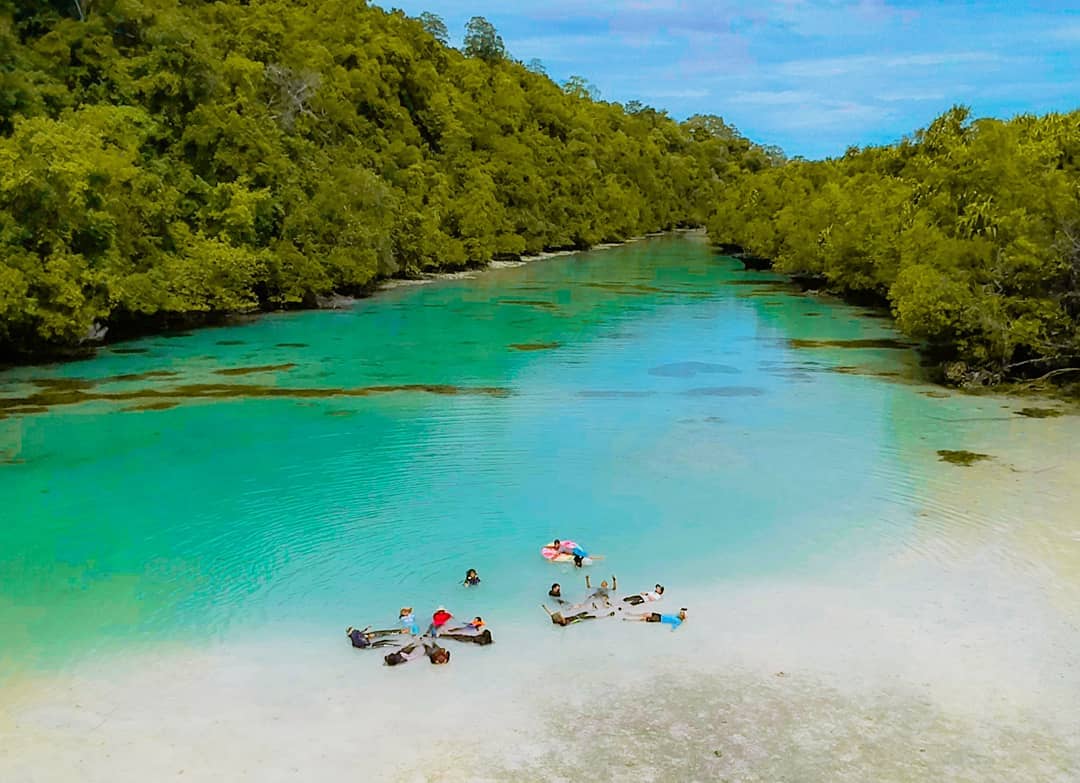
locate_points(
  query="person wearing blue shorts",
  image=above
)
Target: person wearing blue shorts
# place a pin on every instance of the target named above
(408, 621)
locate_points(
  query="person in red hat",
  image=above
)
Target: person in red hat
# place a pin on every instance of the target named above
(439, 620)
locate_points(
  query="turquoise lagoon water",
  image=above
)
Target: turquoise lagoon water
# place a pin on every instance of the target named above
(646, 401)
(189, 521)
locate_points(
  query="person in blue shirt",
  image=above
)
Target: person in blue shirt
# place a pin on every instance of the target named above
(408, 621)
(674, 620)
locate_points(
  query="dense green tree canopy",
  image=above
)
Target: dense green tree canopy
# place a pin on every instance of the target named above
(970, 231)
(435, 27)
(164, 157)
(483, 40)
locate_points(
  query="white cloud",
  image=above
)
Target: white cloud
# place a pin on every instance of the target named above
(902, 95)
(832, 115)
(773, 97)
(839, 66)
(675, 93)
(1067, 33)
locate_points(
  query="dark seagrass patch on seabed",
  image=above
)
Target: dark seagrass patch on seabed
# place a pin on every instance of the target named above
(963, 458)
(163, 405)
(535, 346)
(292, 345)
(234, 371)
(230, 342)
(1040, 413)
(600, 394)
(845, 369)
(140, 376)
(64, 384)
(632, 289)
(129, 351)
(536, 303)
(690, 369)
(725, 391)
(892, 343)
(41, 401)
(777, 285)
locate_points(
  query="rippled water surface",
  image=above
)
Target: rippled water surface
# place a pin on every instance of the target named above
(770, 456)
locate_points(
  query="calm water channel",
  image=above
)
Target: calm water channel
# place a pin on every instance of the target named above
(189, 522)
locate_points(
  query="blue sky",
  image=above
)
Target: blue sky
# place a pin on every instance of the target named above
(813, 76)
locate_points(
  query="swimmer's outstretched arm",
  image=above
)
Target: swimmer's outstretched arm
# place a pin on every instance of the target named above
(588, 586)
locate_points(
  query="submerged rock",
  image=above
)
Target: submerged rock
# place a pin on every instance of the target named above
(334, 302)
(96, 333)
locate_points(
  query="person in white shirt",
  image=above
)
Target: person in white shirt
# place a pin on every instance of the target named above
(647, 597)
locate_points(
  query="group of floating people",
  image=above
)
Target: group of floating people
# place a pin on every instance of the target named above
(419, 644)
(599, 603)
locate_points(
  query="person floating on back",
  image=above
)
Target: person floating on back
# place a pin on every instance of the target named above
(603, 592)
(360, 640)
(439, 619)
(474, 624)
(436, 654)
(560, 619)
(647, 597)
(365, 638)
(674, 620)
(472, 579)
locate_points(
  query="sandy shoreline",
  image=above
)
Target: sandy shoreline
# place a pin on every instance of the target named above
(793, 681)
(495, 264)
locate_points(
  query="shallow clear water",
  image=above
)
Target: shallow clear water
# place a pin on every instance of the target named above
(647, 401)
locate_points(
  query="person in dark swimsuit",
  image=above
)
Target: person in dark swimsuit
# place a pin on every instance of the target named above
(472, 579)
(362, 640)
(436, 654)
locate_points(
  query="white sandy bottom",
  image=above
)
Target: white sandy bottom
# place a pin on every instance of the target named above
(791, 682)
